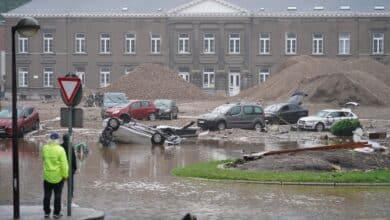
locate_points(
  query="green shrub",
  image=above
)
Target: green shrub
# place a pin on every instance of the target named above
(345, 127)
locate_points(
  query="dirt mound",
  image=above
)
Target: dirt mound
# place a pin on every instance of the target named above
(327, 80)
(340, 88)
(332, 160)
(152, 81)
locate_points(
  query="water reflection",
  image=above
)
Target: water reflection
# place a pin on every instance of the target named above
(134, 182)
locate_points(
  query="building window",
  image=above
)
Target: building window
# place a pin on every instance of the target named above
(234, 43)
(208, 78)
(80, 43)
(209, 43)
(344, 43)
(48, 43)
(130, 43)
(291, 43)
(155, 43)
(377, 43)
(22, 44)
(80, 72)
(48, 77)
(318, 44)
(104, 76)
(184, 72)
(263, 74)
(23, 72)
(105, 46)
(265, 43)
(184, 44)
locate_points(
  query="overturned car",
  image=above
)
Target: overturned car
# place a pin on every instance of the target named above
(132, 131)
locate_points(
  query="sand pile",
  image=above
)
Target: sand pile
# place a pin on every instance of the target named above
(152, 81)
(327, 80)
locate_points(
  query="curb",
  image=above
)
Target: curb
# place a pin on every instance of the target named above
(294, 183)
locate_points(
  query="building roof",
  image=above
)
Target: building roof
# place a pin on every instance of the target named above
(168, 8)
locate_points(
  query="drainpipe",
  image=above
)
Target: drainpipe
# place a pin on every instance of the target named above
(2, 70)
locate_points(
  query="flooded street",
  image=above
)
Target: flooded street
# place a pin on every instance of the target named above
(134, 182)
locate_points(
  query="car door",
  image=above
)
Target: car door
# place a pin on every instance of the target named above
(248, 117)
(135, 110)
(147, 109)
(284, 114)
(234, 117)
(332, 118)
(27, 121)
(296, 113)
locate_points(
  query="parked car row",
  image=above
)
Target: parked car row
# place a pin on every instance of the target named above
(252, 116)
(116, 104)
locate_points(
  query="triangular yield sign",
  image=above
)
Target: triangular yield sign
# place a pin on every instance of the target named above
(69, 88)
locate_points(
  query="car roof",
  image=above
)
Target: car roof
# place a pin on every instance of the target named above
(337, 110)
(242, 103)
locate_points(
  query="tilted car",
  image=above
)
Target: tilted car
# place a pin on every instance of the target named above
(27, 120)
(284, 113)
(325, 118)
(138, 109)
(167, 108)
(233, 115)
(112, 99)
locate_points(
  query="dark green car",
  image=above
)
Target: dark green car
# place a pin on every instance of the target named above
(167, 108)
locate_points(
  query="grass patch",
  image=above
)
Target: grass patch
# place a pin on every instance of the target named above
(210, 170)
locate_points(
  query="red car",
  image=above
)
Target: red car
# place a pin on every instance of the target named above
(138, 109)
(28, 120)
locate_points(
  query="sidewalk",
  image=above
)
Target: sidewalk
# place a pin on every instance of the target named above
(36, 213)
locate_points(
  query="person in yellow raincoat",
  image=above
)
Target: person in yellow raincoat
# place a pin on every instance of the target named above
(55, 172)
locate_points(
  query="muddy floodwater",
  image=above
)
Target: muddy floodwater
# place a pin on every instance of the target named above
(135, 182)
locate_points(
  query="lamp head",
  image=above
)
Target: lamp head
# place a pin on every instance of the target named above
(27, 27)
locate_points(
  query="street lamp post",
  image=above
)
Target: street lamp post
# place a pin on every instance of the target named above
(26, 27)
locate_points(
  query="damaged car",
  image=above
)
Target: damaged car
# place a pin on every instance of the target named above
(233, 115)
(167, 108)
(324, 119)
(284, 113)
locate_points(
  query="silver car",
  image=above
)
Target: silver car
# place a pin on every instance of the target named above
(324, 119)
(233, 115)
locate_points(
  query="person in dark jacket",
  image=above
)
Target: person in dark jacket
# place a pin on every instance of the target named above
(65, 145)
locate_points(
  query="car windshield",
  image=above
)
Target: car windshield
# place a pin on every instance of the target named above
(6, 113)
(322, 114)
(162, 103)
(272, 108)
(119, 98)
(221, 109)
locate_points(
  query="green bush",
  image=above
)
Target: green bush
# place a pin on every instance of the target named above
(345, 127)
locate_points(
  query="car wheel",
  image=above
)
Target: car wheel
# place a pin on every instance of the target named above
(221, 125)
(125, 118)
(320, 127)
(158, 138)
(258, 126)
(175, 116)
(152, 117)
(113, 123)
(36, 126)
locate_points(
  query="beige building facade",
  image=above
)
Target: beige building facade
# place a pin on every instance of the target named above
(217, 45)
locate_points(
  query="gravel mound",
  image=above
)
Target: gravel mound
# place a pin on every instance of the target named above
(327, 80)
(331, 160)
(152, 81)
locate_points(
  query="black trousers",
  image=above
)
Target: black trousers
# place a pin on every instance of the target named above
(48, 188)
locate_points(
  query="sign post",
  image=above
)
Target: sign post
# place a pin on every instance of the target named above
(70, 88)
